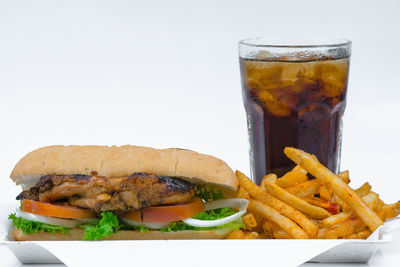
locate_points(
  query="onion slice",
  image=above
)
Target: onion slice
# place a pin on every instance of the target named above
(239, 203)
(153, 225)
(70, 223)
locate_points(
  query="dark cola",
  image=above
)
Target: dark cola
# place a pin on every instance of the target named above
(293, 103)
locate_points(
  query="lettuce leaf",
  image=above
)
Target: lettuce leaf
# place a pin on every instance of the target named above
(31, 227)
(108, 225)
(215, 214)
(207, 193)
(142, 229)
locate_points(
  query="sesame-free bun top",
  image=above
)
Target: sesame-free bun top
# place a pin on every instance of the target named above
(114, 161)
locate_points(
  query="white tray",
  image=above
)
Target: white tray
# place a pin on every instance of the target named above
(349, 251)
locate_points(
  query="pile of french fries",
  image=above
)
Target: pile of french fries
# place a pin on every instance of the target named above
(323, 208)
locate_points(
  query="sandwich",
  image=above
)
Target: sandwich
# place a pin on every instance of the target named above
(124, 193)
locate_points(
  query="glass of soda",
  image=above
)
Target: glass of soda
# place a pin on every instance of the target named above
(294, 94)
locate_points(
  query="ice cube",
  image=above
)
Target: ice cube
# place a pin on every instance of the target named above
(273, 105)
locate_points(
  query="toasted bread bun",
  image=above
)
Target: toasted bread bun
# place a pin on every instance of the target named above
(77, 234)
(123, 161)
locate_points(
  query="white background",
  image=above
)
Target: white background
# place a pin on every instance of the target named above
(165, 74)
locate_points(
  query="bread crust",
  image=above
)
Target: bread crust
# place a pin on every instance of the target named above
(114, 161)
(77, 234)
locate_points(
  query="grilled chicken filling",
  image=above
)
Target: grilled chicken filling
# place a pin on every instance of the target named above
(99, 193)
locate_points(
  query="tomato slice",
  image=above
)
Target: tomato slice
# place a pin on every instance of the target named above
(53, 210)
(167, 213)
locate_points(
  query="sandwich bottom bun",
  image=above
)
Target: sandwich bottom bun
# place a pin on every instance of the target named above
(77, 234)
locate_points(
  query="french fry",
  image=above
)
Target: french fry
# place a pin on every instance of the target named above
(337, 199)
(322, 233)
(295, 202)
(344, 175)
(295, 176)
(283, 222)
(307, 162)
(280, 234)
(380, 205)
(268, 178)
(331, 207)
(272, 178)
(325, 191)
(391, 210)
(254, 191)
(249, 221)
(345, 228)
(265, 236)
(351, 236)
(238, 234)
(331, 234)
(318, 223)
(251, 235)
(269, 227)
(242, 193)
(381, 214)
(259, 220)
(361, 191)
(363, 234)
(305, 189)
(257, 193)
(371, 199)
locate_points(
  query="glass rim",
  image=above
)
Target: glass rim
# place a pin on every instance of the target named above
(277, 42)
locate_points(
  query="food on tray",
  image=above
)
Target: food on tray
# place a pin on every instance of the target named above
(127, 192)
(293, 207)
